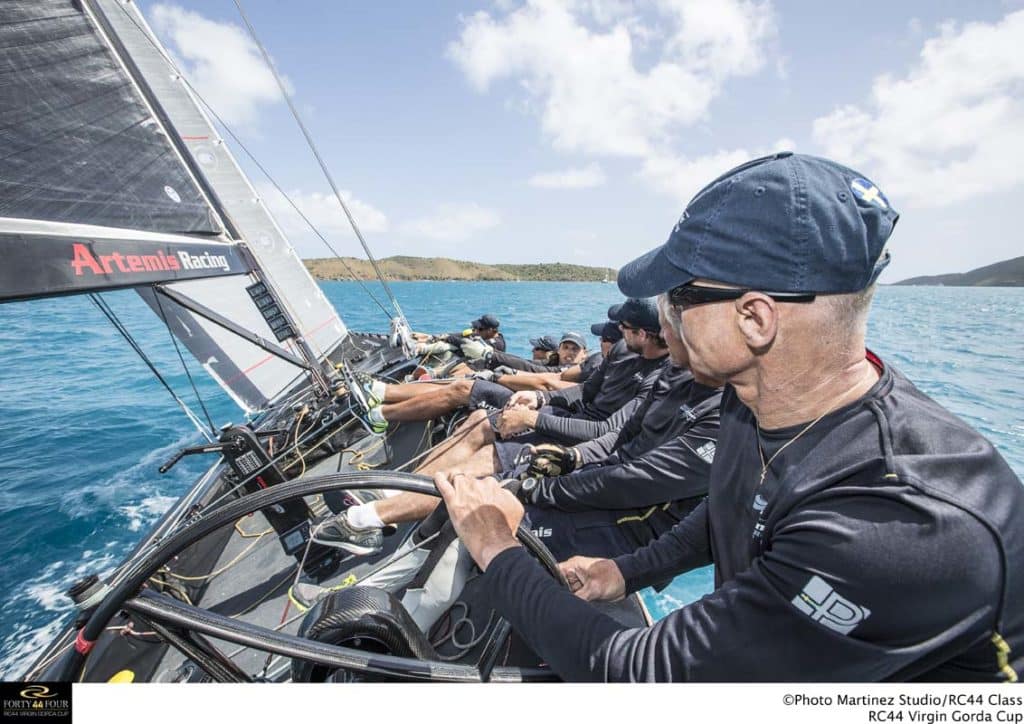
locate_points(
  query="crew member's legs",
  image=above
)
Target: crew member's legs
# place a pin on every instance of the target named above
(435, 401)
(589, 533)
(598, 533)
(409, 390)
(358, 529)
(439, 401)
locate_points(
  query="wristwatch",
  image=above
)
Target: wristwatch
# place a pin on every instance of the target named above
(526, 489)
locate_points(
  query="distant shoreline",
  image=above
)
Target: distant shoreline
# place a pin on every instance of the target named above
(440, 269)
(1008, 273)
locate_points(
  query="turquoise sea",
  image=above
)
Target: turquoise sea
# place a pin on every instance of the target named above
(84, 425)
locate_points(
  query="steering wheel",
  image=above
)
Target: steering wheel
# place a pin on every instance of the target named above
(166, 611)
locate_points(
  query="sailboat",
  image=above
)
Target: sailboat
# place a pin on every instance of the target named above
(114, 177)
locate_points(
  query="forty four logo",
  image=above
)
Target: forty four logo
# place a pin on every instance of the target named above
(821, 602)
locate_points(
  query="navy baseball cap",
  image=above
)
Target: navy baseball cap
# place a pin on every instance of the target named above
(546, 343)
(782, 223)
(613, 311)
(487, 321)
(638, 312)
(574, 337)
(607, 331)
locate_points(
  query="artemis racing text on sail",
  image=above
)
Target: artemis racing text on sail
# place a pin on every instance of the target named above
(134, 263)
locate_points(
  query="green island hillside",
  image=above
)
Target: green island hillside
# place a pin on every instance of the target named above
(414, 268)
(1009, 273)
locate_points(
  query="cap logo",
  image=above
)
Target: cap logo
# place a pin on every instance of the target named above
(868, 193)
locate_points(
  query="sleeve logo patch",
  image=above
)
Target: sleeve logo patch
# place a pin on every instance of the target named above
(707, 452)
(821, 602)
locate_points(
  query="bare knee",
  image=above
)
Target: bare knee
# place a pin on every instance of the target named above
(478, 427)
(458, 391)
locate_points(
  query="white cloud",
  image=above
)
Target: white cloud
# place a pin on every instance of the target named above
(951, 128)
(681, 177)
(453, 222)
(720, 38)
(586, 177)
(323, 210)
(220, 61)
(585, 83)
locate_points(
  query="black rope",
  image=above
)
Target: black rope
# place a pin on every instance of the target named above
(119, 326)
(174, 339)
(252, 157)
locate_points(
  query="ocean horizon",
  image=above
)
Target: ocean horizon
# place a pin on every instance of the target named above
(85, 425)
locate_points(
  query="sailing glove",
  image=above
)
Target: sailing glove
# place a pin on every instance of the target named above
(434, 348)
(550, 460)
(475, 349)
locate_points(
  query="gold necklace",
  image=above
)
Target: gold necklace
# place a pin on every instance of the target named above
(765, 464)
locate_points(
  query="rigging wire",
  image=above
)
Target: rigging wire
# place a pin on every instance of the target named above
(174, 339)
(320, 160)
(119, 326)
(266, 173)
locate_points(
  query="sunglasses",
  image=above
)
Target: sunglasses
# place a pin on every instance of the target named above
(689, 295)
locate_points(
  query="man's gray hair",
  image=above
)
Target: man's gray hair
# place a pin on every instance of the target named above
(847, 314)
(672, 314)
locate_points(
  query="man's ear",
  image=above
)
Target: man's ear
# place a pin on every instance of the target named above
(757, 319)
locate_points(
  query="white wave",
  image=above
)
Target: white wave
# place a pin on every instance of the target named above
(147, 511)
(46, 592)
(48, 595)
(19, 650)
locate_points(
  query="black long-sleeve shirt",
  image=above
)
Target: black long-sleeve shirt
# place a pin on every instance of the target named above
(656, 466)
(886, 543)
(620, 383)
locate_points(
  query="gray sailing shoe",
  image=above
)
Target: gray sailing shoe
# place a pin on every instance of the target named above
(306, 595)
(337, 532)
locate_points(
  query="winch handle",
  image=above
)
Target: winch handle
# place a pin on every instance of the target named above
(197, 450)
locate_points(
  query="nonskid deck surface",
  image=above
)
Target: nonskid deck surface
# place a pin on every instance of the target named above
(253, 573)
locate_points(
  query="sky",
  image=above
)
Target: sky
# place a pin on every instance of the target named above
(577, 130)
